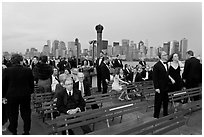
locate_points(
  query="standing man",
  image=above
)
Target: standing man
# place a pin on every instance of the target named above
(161, 79)
(17, 86)
(105, 72)
(118, 62)
(192, 74)
(142, 62)
(99, 62)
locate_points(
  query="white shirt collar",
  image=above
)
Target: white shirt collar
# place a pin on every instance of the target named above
(69, 91)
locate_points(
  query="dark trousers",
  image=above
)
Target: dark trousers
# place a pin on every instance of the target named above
(105, 86)
(161, 98)
(193, 84)
(99, 82)
(4, 114)
(13, 110)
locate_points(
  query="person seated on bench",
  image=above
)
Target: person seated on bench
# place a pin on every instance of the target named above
(70, 101)
(83, 86)
(116, 86)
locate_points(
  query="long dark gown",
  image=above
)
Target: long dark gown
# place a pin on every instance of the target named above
(175, 74)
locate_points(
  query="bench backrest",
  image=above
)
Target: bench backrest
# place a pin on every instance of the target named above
(158, 126)
(182, 94)
(72, 121)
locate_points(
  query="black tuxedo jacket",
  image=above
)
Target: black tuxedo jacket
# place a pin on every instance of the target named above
(66, 102)
(98, 67)
(87, 91)
(149, 74)
(160, 77)
(192, 70)
(105, 72)
(118, 63)
(17, 81)
(143, 63)
(128, 74)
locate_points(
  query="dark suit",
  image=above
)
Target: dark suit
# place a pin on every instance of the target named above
(143, 63)
(118, 63)
(66, 102)
(192, 72)
(99, 74)
(160, 79)
(105, 72)
(128, 74)
(149, 75)
(17, 86)
(87, 91)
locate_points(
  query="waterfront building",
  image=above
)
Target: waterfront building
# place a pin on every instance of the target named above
(166, 47)
(55, 45)
(183, 48)
(110, 50)
(46, 50)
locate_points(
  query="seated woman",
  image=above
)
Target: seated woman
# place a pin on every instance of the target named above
(116, 85)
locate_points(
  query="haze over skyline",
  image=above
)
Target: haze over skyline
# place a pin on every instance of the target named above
(26, 25)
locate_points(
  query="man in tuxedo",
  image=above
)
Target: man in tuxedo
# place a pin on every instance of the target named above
(70, 101)
(17, 87)
(83, 86)
(118, 62)
(55, 79)
(142, 62)
(99, 62)
(105, 74)
(147, 73)
(192, 74)
(161, 79)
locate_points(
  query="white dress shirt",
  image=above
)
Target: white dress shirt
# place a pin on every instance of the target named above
(81, 88)
(68, 92)
(54, 83)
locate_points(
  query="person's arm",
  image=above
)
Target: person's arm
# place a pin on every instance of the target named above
(155, 78)
(186, 70)
(122, 80)
(60, 104)
(82, 103)
(172, 80)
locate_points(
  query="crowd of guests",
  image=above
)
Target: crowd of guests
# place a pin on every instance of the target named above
(71, 83)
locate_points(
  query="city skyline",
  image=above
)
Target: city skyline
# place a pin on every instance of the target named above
(60, 21)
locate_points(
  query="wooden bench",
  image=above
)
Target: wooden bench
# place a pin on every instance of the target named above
(49, 110)
(66, 122)
(185, 94)
(39, 98)
(152, 126)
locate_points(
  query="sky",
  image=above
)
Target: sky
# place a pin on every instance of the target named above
(26, 25)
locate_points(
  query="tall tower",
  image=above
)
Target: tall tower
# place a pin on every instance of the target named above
(99, 29)
(183, 48)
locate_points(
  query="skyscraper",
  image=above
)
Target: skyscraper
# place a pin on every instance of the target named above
(115, 44)
(110, 50)
(61, 49)
(166, 47)
(46, 50)
(49, 45)
(55, 45)
(174, 47)
(183, 48)
(125, 47)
